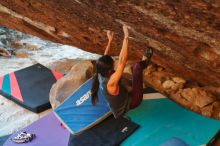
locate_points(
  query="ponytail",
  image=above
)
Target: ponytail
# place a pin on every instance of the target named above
(103, 65)
(95, 88)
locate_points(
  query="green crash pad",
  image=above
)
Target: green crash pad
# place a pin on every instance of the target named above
(162, 119)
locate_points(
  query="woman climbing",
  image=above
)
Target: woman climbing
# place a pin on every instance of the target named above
(107, 80)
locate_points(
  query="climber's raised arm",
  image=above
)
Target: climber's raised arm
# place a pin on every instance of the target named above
(112, 85)
(110, 35)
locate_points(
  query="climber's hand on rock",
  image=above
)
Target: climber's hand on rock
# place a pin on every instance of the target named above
(110, 35)
(125, 29)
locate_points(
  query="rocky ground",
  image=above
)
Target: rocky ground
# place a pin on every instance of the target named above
(201, 99)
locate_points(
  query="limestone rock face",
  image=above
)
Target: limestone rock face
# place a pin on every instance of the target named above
(79, 73)
(64, 65)
(185, 35)
(197, 96)
(189, 94)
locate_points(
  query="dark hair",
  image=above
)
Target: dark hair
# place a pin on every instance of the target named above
(103, 65)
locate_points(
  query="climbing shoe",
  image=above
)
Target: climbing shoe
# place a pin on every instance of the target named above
(23, 137)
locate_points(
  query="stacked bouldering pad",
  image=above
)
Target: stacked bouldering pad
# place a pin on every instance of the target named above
(29, 87)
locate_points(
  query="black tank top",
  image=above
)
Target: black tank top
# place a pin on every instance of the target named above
(118, 104)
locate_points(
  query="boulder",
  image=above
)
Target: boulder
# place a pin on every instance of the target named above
(17, 45)
(64, 87)
(216, 110)
(21, 53)
(150, 68)
(207, 110)
(203, 100)
(184, 102)
(197, 96)
(168, 84)
(64, 65)
(31, 47)
(4, 52)
(178, 80)
(174, 84)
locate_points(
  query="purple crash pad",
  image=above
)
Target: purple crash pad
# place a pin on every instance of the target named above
(48, 133)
